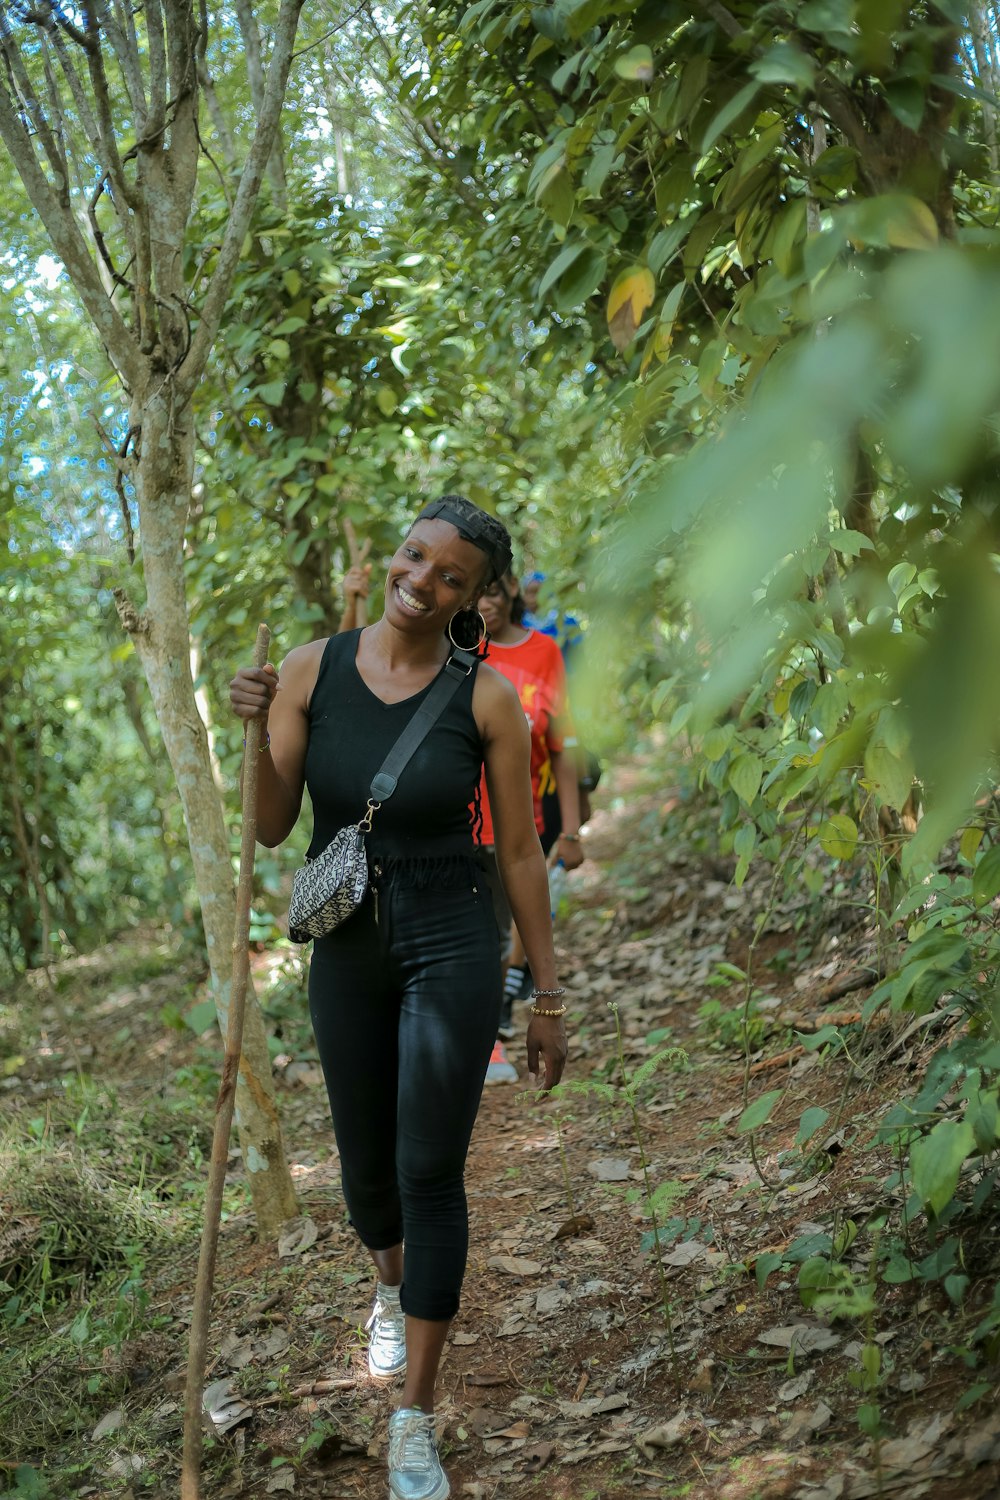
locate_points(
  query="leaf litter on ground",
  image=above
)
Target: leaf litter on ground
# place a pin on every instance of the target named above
(563, 1327)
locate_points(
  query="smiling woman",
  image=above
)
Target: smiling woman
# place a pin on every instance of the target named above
(405, 994)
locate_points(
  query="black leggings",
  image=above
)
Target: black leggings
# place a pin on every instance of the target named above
(404, 1009)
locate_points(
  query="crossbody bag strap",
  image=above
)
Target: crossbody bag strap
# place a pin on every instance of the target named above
(458, 667)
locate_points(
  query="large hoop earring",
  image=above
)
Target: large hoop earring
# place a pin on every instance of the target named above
(482, 626)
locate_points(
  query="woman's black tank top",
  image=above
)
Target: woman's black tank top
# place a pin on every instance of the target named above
(427, 819)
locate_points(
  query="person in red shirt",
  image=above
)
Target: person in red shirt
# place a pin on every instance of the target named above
(533, 663)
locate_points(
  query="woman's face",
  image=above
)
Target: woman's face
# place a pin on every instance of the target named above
(529, 593)
(433, 573)
(495, 606)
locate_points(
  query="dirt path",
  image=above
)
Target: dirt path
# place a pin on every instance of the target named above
(559, 1378)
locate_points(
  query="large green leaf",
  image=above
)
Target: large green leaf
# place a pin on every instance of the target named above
(759, 1112)
(936, 1161)
(986, 877)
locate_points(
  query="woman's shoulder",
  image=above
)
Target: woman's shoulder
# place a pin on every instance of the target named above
(301, 658)
(493, 693)
(301, 668)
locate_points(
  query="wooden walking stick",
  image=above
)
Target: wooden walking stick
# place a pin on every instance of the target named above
(357, 555)
(224, 1105)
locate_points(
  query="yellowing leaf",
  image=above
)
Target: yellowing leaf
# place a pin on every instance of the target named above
(663, 334)
(969, 843)
(631, 294)
(911, 224)
(892, 775)
(839, 836)
(636, 64)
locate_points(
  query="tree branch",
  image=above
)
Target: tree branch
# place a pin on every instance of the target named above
(251, 46)
(207, 85)
(105, 123)
(157, 69)
(83, 109)
(723, 19)
(56, 113)
(26, 93)
(70, 247)
(239, 221)
(128, 61)
(247, 22)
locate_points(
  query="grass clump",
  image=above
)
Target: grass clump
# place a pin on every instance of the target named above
(88, 1220)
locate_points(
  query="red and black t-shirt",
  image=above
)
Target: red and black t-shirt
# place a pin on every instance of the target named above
(535, 667)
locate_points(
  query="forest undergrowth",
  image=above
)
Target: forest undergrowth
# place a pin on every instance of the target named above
(699, 1270)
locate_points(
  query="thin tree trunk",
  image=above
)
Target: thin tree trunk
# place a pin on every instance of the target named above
(205, 713)
(159, 351)
(334, 115)
(984, 68)
(161, 636)
(33, 873)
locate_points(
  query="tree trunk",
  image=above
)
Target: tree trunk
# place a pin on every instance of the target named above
(164, 475)
(984, 67)
(205, 712)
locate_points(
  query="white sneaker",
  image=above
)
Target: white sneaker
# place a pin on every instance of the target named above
(415, 1471)
(500, 1070)
(386, 1334)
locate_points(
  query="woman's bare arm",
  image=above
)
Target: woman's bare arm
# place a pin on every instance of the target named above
(282, 704)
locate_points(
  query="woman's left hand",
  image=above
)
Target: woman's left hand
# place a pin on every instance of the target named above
(571, 852)
(547, 1042)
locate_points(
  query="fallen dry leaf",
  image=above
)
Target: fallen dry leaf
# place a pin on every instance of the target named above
(110, 1422)
(684, 1254)
(124, 1465)
(296, 1236)
(982, 1444)
(537, 1456)
(833, 1488)
(281, 1482)
(802, 1338)
(793, 1390)
(224, 1406)
(610, 1169)
(578, 1224)
(515, 1265)
(595, 1407)
(584, 1455)
(552, 1299)
(804, 1424)
(482, 1420)
(905, 1453)
(666, 1434)
(521, 1429)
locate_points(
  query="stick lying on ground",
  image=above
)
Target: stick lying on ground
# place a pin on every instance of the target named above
(224, 1105)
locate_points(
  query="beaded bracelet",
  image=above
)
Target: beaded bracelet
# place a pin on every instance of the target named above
(264, 743)
(537, 1011)
(538, 994)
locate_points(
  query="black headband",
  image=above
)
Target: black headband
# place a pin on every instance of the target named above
(476, 526)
